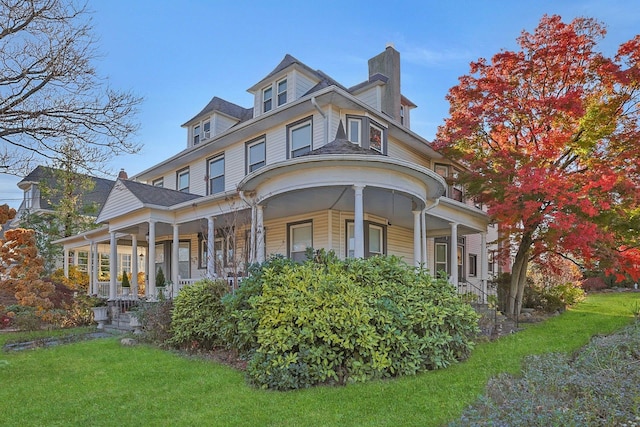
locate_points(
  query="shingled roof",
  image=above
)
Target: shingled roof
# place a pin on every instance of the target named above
(47, 175)
(341, 145)
(149, 194)
(225, 107)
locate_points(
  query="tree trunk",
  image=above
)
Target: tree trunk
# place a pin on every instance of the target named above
(519, 274)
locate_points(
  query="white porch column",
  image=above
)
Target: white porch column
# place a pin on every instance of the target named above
(175, 259)
(453, 250)
(90, 269)
(358, 222)
(423, 217)
(113, 266)
(150, 289)
(259, 234)
(417, 242)
(211, 256)
(96, 262)
(483, 265)
(134, 265)
(65, 262)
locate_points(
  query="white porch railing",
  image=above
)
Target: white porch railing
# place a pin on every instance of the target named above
(103, 287)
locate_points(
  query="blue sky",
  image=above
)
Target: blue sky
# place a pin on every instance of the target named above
(178, 55)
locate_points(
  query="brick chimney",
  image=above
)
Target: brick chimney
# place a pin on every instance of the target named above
(387, 63)
(122, 174)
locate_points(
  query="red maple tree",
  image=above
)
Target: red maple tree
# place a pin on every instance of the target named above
(550, 136)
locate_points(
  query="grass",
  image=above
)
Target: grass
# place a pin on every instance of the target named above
(102, 383)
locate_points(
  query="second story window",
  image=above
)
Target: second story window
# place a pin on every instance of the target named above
(216, 175)
(158, 182)
(282, 92)
(299, 138)
(183, 180)
(267, 95)
(256, 154)
(196, 135)
(206, 130)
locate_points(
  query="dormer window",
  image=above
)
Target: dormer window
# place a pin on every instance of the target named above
(206, 130)
(28, 198)
(354, 125)
(282, 92)
(402, 114)
(375, 137)
(196, 135)
(267, 95)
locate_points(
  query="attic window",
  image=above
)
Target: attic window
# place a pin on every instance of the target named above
(196, 135)
(267, 95)
(353, 129)
(375, 137)
(206, 128)
(282, 92)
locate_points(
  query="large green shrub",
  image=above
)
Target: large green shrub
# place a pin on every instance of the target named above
(196, 314)
(331, 321)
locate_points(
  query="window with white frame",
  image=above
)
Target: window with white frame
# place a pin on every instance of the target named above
(103, 263)
(402, 114)
(183, 180)
(256, 154)
(300, 238)
(282, 92)
(184, 256)
(216, 175)
(267, 99)
(28, 197)
(376, 134)
(473, 265)
(441, 257)
(124, 263)
(196, 135)
(158, 182)
(354, 127)
(374, 239)
(299, 137)
(83, 261)
(206, 130)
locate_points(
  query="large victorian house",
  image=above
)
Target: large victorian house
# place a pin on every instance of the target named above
(312, 164)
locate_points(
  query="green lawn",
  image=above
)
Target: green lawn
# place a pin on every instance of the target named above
(100, 382)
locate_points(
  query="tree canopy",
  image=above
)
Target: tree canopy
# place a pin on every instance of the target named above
(550, 137)
(50, 91)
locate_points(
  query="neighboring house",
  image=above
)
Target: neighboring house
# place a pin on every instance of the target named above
(311, 164)
(35, 203)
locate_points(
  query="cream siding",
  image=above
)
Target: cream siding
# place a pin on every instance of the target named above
(234, 166)
(119, 202)
(221, 123)
(396, 150)
(276, 232)
(400, 243)
(370, 97)
(302, 84)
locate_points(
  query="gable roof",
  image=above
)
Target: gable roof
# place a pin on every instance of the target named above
(152, 195)
(225, 107)
(45, 174)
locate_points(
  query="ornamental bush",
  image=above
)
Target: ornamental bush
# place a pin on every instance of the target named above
(196, 315)
(331, 322)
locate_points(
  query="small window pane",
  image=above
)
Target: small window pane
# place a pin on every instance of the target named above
(256, 156)
(301, 140)
(375, 240)
(375, 138)
(207, 129)
(266, 99)
(354, 130)
(282, 92)
(301, 239)
(216, 175)
(183, 181)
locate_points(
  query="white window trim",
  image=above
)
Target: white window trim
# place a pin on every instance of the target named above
(262, 140)
(291, 228)
(264, 99)
(210, 178)
(206, 134)
(285, 92)
(295, 126)
(179, 174)
(357, 120)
